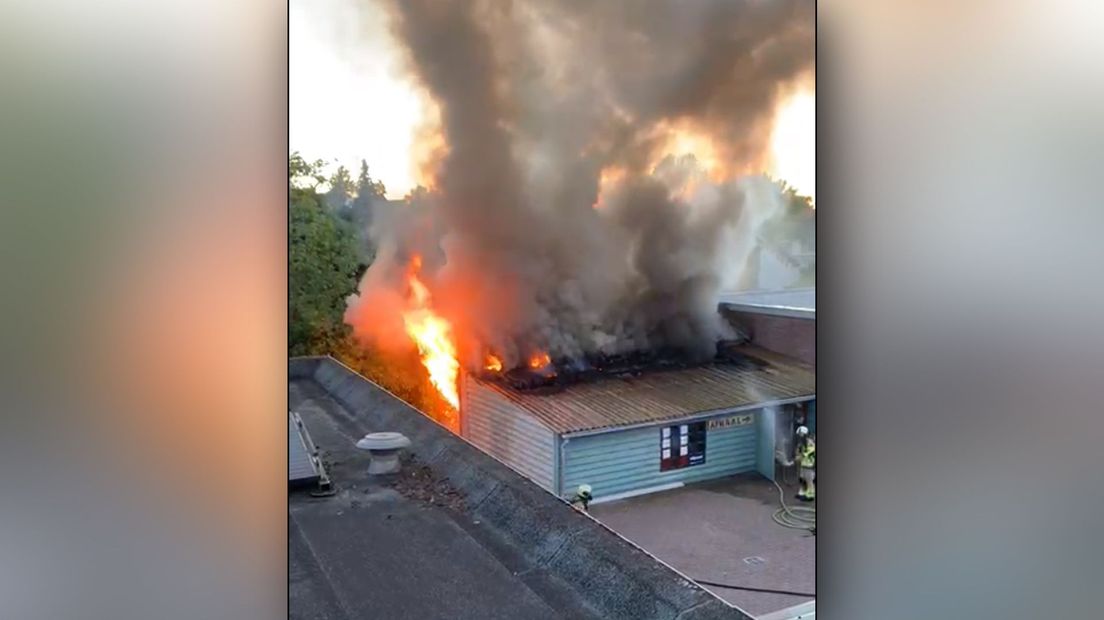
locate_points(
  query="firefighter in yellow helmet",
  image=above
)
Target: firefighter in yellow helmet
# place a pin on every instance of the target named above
(583, 496)
(806, 462)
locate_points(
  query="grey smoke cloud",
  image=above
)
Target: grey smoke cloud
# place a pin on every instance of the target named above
(537, 98)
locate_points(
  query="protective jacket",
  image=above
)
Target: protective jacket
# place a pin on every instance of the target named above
(807, 455)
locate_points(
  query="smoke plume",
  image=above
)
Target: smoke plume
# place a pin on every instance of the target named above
(562, 217)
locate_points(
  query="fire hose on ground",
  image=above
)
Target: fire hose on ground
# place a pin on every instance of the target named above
(797, 517)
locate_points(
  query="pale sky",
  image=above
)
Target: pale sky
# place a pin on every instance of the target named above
(349, 102)
(793, 143)
(346, 102)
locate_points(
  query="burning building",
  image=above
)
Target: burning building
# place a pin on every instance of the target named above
(636, 425)
(593, 185)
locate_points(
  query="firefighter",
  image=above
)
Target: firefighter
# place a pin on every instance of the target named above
(583, 496)
(806, 462)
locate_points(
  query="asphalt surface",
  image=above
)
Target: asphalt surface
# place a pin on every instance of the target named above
(708, 530)
(456, 534)
(372, 552)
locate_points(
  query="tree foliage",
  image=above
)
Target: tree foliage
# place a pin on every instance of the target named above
(790, 234)
(304, 176)
(322, 265)
(361, 211)
(368, 190)
(416, 195)
(402, 375)
(341, 188)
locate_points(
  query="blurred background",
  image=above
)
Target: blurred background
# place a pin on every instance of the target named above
(142, 173)
(958, 293)
(144, 294)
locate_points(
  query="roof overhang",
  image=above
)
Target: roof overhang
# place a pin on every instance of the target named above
(649, 399)
(799, 303)
(695, 417)
(784, 311)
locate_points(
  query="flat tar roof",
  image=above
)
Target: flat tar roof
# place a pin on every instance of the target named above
(456, 534)
(666, 394)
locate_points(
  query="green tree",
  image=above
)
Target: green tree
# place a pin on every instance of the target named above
(322, 265)
(402, 375)
(304, 176)
(368, 189)
(323, 271)
(416, 195)
(790, 234)
(337, 199)
(362, 210)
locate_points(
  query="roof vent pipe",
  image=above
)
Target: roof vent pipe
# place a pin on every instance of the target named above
(384, 449)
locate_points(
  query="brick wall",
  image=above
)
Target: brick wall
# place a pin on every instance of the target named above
(788, 336)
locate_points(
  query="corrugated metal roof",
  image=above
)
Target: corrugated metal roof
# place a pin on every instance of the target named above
(665, 395)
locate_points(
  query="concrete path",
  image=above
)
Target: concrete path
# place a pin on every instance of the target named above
(721, 531)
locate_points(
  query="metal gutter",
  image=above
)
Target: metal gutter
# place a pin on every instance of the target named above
(792, 312)
(557, 462)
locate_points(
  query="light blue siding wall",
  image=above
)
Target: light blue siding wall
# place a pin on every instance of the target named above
(628, 460)
(499, 428)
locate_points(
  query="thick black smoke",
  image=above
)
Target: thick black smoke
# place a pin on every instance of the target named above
(537, 99)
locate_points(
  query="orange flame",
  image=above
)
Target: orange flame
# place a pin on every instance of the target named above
(539, 360)
(684, 141)
(610, 176)
(433, 335)
(493, 364)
